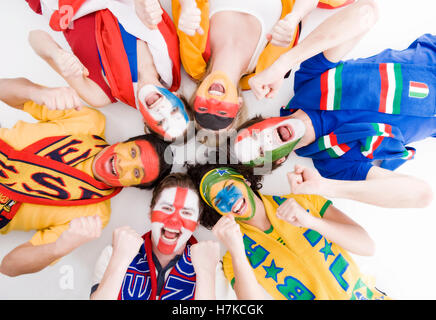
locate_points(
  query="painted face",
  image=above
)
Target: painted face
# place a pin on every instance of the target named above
(268, 140)
(163, 112)
(226, 191)
(174, 219)
(127, 164)
(216, 103)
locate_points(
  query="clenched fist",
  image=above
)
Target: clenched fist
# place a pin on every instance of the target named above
(149, 11)
(126, 243)
(291, 212)
(205, 255)
(190, 18)
(227, 230)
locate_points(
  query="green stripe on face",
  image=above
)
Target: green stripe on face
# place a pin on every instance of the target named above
(274, 155)
(398, 89)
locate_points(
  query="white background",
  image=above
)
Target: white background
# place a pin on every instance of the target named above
(405, 261)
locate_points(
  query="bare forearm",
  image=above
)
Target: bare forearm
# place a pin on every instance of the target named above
(28, 258)
(15, 92)
(205, 285)
(43, 44)
(246, 285)
(351, 237)
(393, 191)
(334, 31)
(110, 285)
(302, 7)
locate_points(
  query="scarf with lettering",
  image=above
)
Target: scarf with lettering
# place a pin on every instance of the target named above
(304, 265)
(362, 142)
(140, 280)
(195, 50)
(44, 173)
(391, 88)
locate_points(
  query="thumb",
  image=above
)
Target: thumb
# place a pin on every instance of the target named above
(294, 180)
(85, 72)
(269, 36)
(200, 31)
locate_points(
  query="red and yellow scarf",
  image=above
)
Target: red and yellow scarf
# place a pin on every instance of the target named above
(43, 173)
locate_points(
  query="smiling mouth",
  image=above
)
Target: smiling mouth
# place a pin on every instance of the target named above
(217, 89)
(152, 99)
(113, 167)
(239, 207)
(170, 235)
(285, 133)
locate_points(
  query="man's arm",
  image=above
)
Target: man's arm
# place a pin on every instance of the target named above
(125, 243)
(28, 258)
(246, 286)
(334, 225)
(382, 188)
(16, 92)
(335, 37)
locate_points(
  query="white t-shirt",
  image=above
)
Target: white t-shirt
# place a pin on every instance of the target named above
(223, 289)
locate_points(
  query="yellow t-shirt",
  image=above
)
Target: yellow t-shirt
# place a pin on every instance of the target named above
(298, 263)
(51, 221)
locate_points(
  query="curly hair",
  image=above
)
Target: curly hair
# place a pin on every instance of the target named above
(209, 217)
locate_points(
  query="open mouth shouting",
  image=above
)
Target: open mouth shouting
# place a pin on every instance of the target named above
(153, 99)
(217, 89)
(285, 133)
(170, 235)
(239, 207)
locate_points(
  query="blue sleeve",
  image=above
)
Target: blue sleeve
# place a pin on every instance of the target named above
(342, 169)
(312, 68)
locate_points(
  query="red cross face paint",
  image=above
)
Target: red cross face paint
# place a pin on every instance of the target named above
(163, 111)
(174, 219)
(126, 164)
(268, 140)
(216, 101)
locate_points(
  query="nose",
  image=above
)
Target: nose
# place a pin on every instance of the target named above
(174, 221)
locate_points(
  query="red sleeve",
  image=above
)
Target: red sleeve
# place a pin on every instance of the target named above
(81, 39)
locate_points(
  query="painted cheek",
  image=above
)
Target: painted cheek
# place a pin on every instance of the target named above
(228, 198)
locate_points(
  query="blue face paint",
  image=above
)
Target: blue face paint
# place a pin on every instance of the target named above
(174, 100)
(227, 197)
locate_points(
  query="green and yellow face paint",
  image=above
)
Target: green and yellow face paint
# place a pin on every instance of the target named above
(226, 191)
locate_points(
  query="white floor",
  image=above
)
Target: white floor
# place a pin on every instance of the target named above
(405, 260)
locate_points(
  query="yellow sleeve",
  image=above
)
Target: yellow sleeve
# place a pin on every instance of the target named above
(317, 204)
(85, 121)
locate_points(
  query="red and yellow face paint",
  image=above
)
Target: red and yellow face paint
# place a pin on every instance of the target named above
(216, 101)
(127, 164)
(174, 219)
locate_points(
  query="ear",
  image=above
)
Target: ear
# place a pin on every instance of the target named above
(177, 94)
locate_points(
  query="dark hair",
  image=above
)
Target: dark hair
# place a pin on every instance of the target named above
(209, 217)
(175, 180)
(161, 148)
(212, 122)
(253, 121)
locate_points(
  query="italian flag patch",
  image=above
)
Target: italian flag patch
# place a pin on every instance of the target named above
(391, 88)
(418, 89)
(330, 144)
(331, 89)
(372, 143)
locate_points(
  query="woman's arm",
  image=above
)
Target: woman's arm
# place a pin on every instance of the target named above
(335, 37)
(28, 258)
(69, 67)
(126, 243)
(16, 92)
(205, 258)
(382, 188)
(246, 286)
(334, 225)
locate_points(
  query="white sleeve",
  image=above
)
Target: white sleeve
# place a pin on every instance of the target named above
(101, 265)
(223, 288)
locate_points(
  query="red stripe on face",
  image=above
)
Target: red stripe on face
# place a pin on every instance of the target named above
(384, 86)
